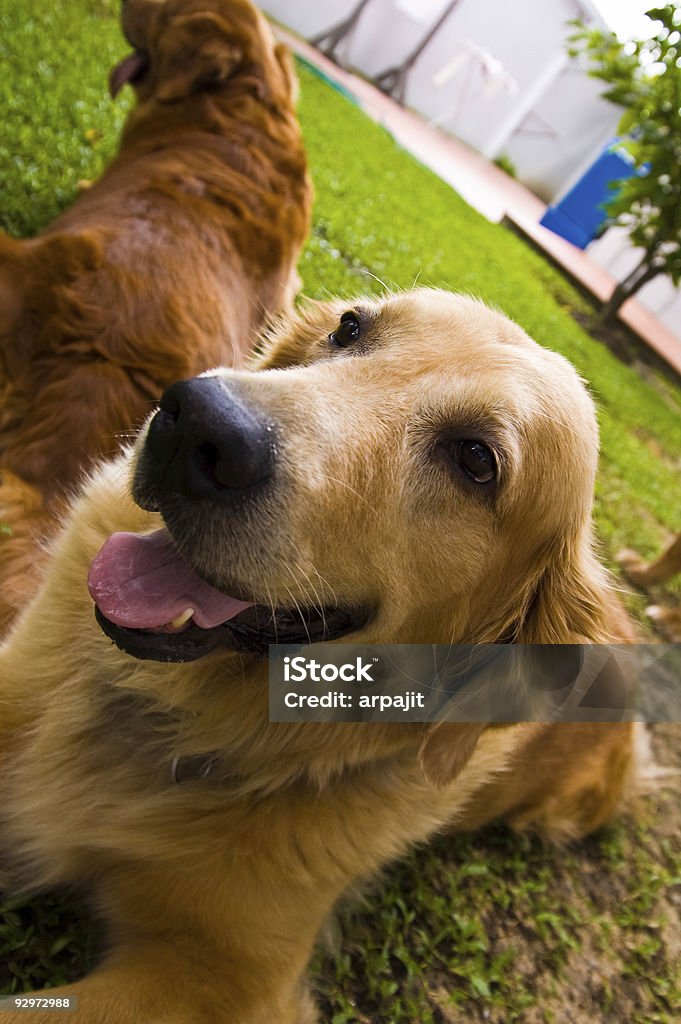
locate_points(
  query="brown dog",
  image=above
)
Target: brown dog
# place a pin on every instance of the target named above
(644, 575)
(413, 469)
(168, 265)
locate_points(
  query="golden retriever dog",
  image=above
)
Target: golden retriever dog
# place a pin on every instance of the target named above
(662, 570)
(410, 469)
(168, 265)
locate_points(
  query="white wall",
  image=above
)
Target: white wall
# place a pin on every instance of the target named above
(307, 17)
(567, 130)
(550, 127)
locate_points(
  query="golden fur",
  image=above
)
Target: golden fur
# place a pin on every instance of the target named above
(215, 890)
(169, 264)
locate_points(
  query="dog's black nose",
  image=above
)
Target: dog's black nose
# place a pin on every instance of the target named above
(206, 441)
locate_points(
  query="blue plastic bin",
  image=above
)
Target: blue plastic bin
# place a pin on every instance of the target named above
(580, 215)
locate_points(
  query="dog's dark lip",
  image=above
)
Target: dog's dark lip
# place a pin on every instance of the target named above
(250, 632)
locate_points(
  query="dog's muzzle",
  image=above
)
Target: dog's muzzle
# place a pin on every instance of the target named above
(208, 460)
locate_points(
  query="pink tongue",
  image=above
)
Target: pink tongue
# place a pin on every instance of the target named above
(126, 70)
(143, 582)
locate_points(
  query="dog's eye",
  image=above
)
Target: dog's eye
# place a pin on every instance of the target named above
(347, 332)
(475, 459)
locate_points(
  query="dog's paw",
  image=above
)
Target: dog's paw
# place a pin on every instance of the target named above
(667, 620)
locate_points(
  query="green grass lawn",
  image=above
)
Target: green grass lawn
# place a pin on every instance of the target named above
(490, 927)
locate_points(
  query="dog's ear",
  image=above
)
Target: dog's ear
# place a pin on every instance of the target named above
(446, 749)
(572, 601)
(284, 59)
(195, 53)
(293, 340)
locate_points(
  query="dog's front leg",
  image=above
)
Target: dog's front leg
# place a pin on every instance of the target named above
(141, 984)
(156, 983)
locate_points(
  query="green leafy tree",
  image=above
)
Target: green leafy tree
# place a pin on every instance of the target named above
(644, 77)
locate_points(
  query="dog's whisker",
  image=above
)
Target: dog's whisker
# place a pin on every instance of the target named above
(300, 612)
(325, 583)
(318, 603)
(369, 273)
(320, 606)
(273, 608)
